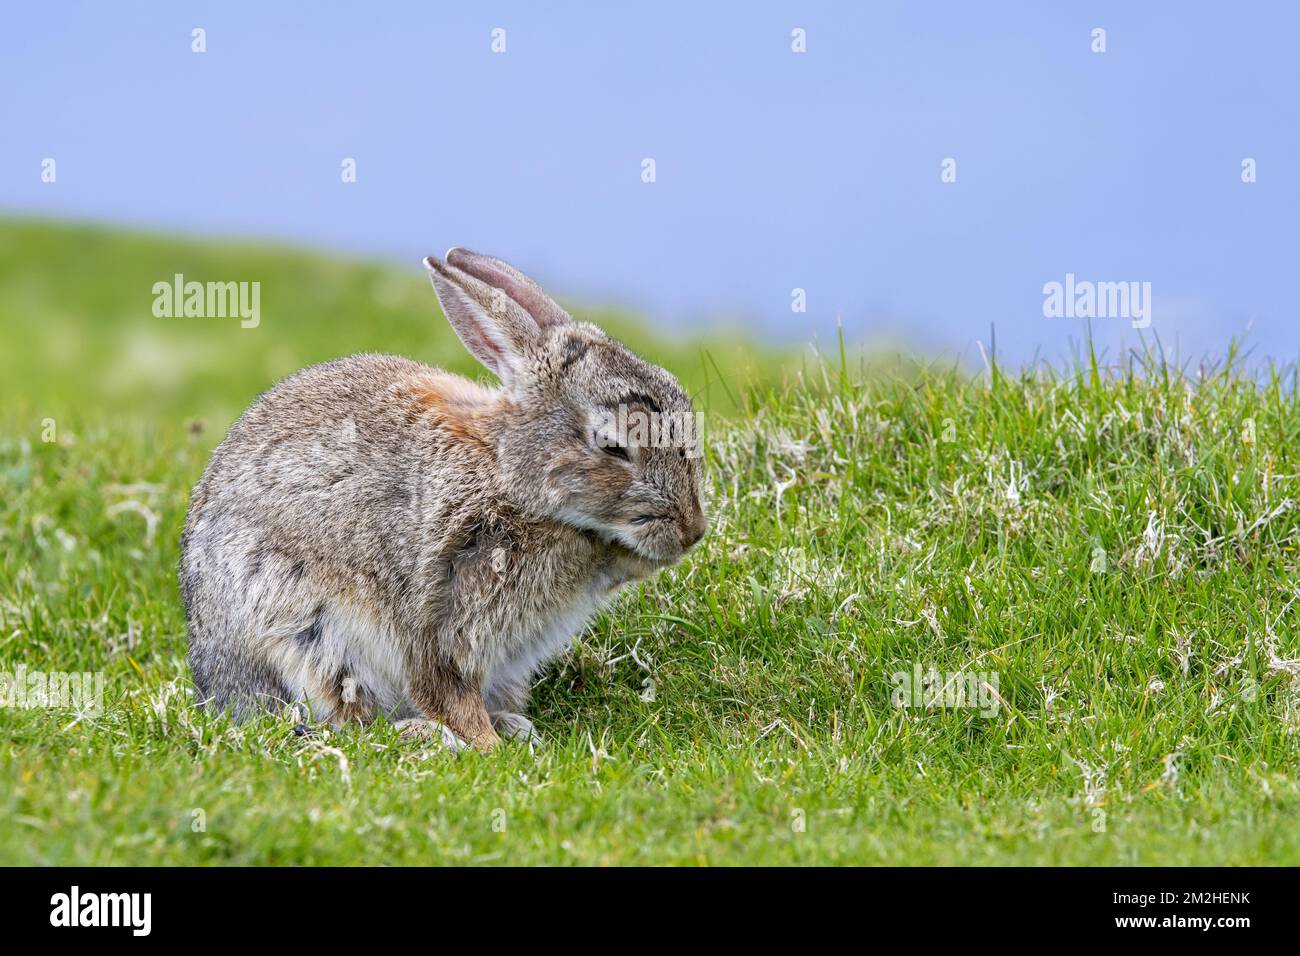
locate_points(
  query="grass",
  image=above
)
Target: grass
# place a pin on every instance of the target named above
(1105, 546)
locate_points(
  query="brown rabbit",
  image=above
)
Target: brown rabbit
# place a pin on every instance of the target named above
(378, 536)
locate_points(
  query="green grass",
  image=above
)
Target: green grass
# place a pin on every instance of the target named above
(1104, 542)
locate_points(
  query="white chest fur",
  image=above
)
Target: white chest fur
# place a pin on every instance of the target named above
(536, 646)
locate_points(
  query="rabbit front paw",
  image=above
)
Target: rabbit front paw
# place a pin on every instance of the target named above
(420, 728)
(513, 726)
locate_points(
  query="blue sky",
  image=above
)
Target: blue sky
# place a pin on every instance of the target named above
(774, 170)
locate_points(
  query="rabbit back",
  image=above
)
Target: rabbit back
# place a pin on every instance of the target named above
(310, 530)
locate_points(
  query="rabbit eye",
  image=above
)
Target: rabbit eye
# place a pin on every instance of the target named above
(609, 445)
(617, 451)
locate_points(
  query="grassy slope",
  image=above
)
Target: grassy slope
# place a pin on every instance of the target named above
(863, 524)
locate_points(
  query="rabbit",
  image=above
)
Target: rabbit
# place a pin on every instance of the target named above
(377, 536)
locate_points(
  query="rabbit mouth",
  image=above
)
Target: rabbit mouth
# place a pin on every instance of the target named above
(650, 559)
(654, 541)
(649, 536)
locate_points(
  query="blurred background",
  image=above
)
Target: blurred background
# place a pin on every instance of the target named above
(524, 130)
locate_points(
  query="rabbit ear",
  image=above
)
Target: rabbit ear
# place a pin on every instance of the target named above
(502, 275)
(496, 329)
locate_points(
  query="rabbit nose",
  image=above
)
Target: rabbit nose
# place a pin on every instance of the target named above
(694, 531)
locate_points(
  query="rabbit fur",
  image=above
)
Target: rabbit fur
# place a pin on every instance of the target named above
(376, 536)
